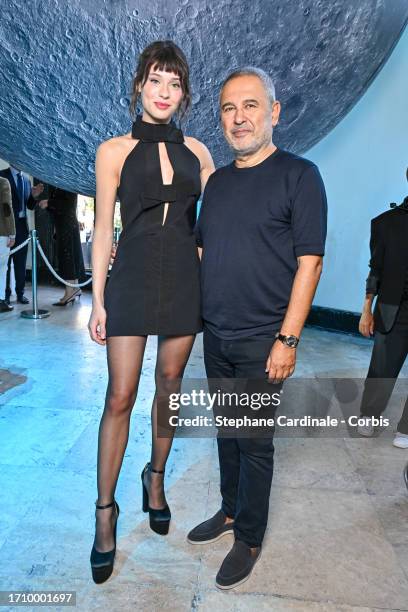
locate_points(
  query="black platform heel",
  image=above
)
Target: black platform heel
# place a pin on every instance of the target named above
(159, 519)
(102, 562)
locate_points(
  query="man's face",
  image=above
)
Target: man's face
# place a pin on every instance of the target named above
(247, 115)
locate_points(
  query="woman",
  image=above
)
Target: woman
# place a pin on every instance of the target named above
(7, 238)
(63, 208)
(154, 282)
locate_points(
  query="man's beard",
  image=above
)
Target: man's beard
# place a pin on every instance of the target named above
(252, 148)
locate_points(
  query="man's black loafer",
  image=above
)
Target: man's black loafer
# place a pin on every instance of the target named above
(211, 530)
(237, 565)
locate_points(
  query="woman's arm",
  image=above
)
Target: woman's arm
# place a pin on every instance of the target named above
(206, 162)
(206, 167)
(106, 170)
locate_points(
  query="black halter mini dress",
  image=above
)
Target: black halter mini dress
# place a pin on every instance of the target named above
(154, 284)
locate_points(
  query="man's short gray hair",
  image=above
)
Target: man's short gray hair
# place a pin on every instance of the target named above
(253, 71)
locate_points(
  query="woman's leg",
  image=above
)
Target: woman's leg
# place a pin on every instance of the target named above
(77, 263)
(64, 230)
(125, 357)
(172, 356)
(78, 255)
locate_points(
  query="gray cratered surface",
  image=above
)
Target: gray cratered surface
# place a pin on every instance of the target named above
(66, 69)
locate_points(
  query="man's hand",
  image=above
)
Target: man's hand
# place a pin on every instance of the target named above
(43, 204)
(37, 189)
(281, 362)
(11, 242)
(366, 325)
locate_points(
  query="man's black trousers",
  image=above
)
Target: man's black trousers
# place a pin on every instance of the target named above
(389, 353)
(19, 259)
(246, 463)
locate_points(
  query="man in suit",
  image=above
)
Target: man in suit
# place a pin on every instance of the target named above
(22, 199)
(388, 280)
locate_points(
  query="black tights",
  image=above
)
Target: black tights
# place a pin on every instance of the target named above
(125, 358)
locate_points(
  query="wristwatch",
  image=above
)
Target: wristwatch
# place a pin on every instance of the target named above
(290, 341)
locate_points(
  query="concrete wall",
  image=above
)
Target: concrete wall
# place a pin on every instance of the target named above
(363, 162)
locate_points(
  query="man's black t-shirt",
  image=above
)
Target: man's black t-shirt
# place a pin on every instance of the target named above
(253, 224)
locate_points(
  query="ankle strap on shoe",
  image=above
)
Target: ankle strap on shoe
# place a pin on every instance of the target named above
(149, 467)
(103, 507)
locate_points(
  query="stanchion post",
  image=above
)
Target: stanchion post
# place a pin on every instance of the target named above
(34, 270)
(35, 313)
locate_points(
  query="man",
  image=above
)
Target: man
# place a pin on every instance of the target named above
(22, 198)
(388, 279)
(262, 230)
(7, 238)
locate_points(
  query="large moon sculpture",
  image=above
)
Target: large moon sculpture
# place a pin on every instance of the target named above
(66, 69)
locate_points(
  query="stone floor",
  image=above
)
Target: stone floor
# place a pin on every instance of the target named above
(337, 538)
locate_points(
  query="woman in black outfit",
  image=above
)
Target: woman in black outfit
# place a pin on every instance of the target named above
(63, 208)
(158, 174)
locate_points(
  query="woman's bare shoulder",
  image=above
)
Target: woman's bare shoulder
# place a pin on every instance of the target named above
(116, 144)
(116, 147)
(199, 149)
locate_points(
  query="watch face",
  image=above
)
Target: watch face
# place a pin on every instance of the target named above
(291, 341)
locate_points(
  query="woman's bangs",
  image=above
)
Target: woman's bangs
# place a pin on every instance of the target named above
(166, 64)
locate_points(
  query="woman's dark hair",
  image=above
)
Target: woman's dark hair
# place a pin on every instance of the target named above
(162, 55)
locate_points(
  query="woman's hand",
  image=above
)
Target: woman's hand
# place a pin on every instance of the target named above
(113, 253)
(97, 325)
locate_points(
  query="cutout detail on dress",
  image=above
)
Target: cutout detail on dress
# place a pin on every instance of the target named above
(167, 173)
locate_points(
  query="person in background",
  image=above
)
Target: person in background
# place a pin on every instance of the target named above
(62, 205)
(23, 195)
(7, 238)
(388, 280)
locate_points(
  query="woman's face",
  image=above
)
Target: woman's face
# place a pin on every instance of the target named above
(161, 96)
